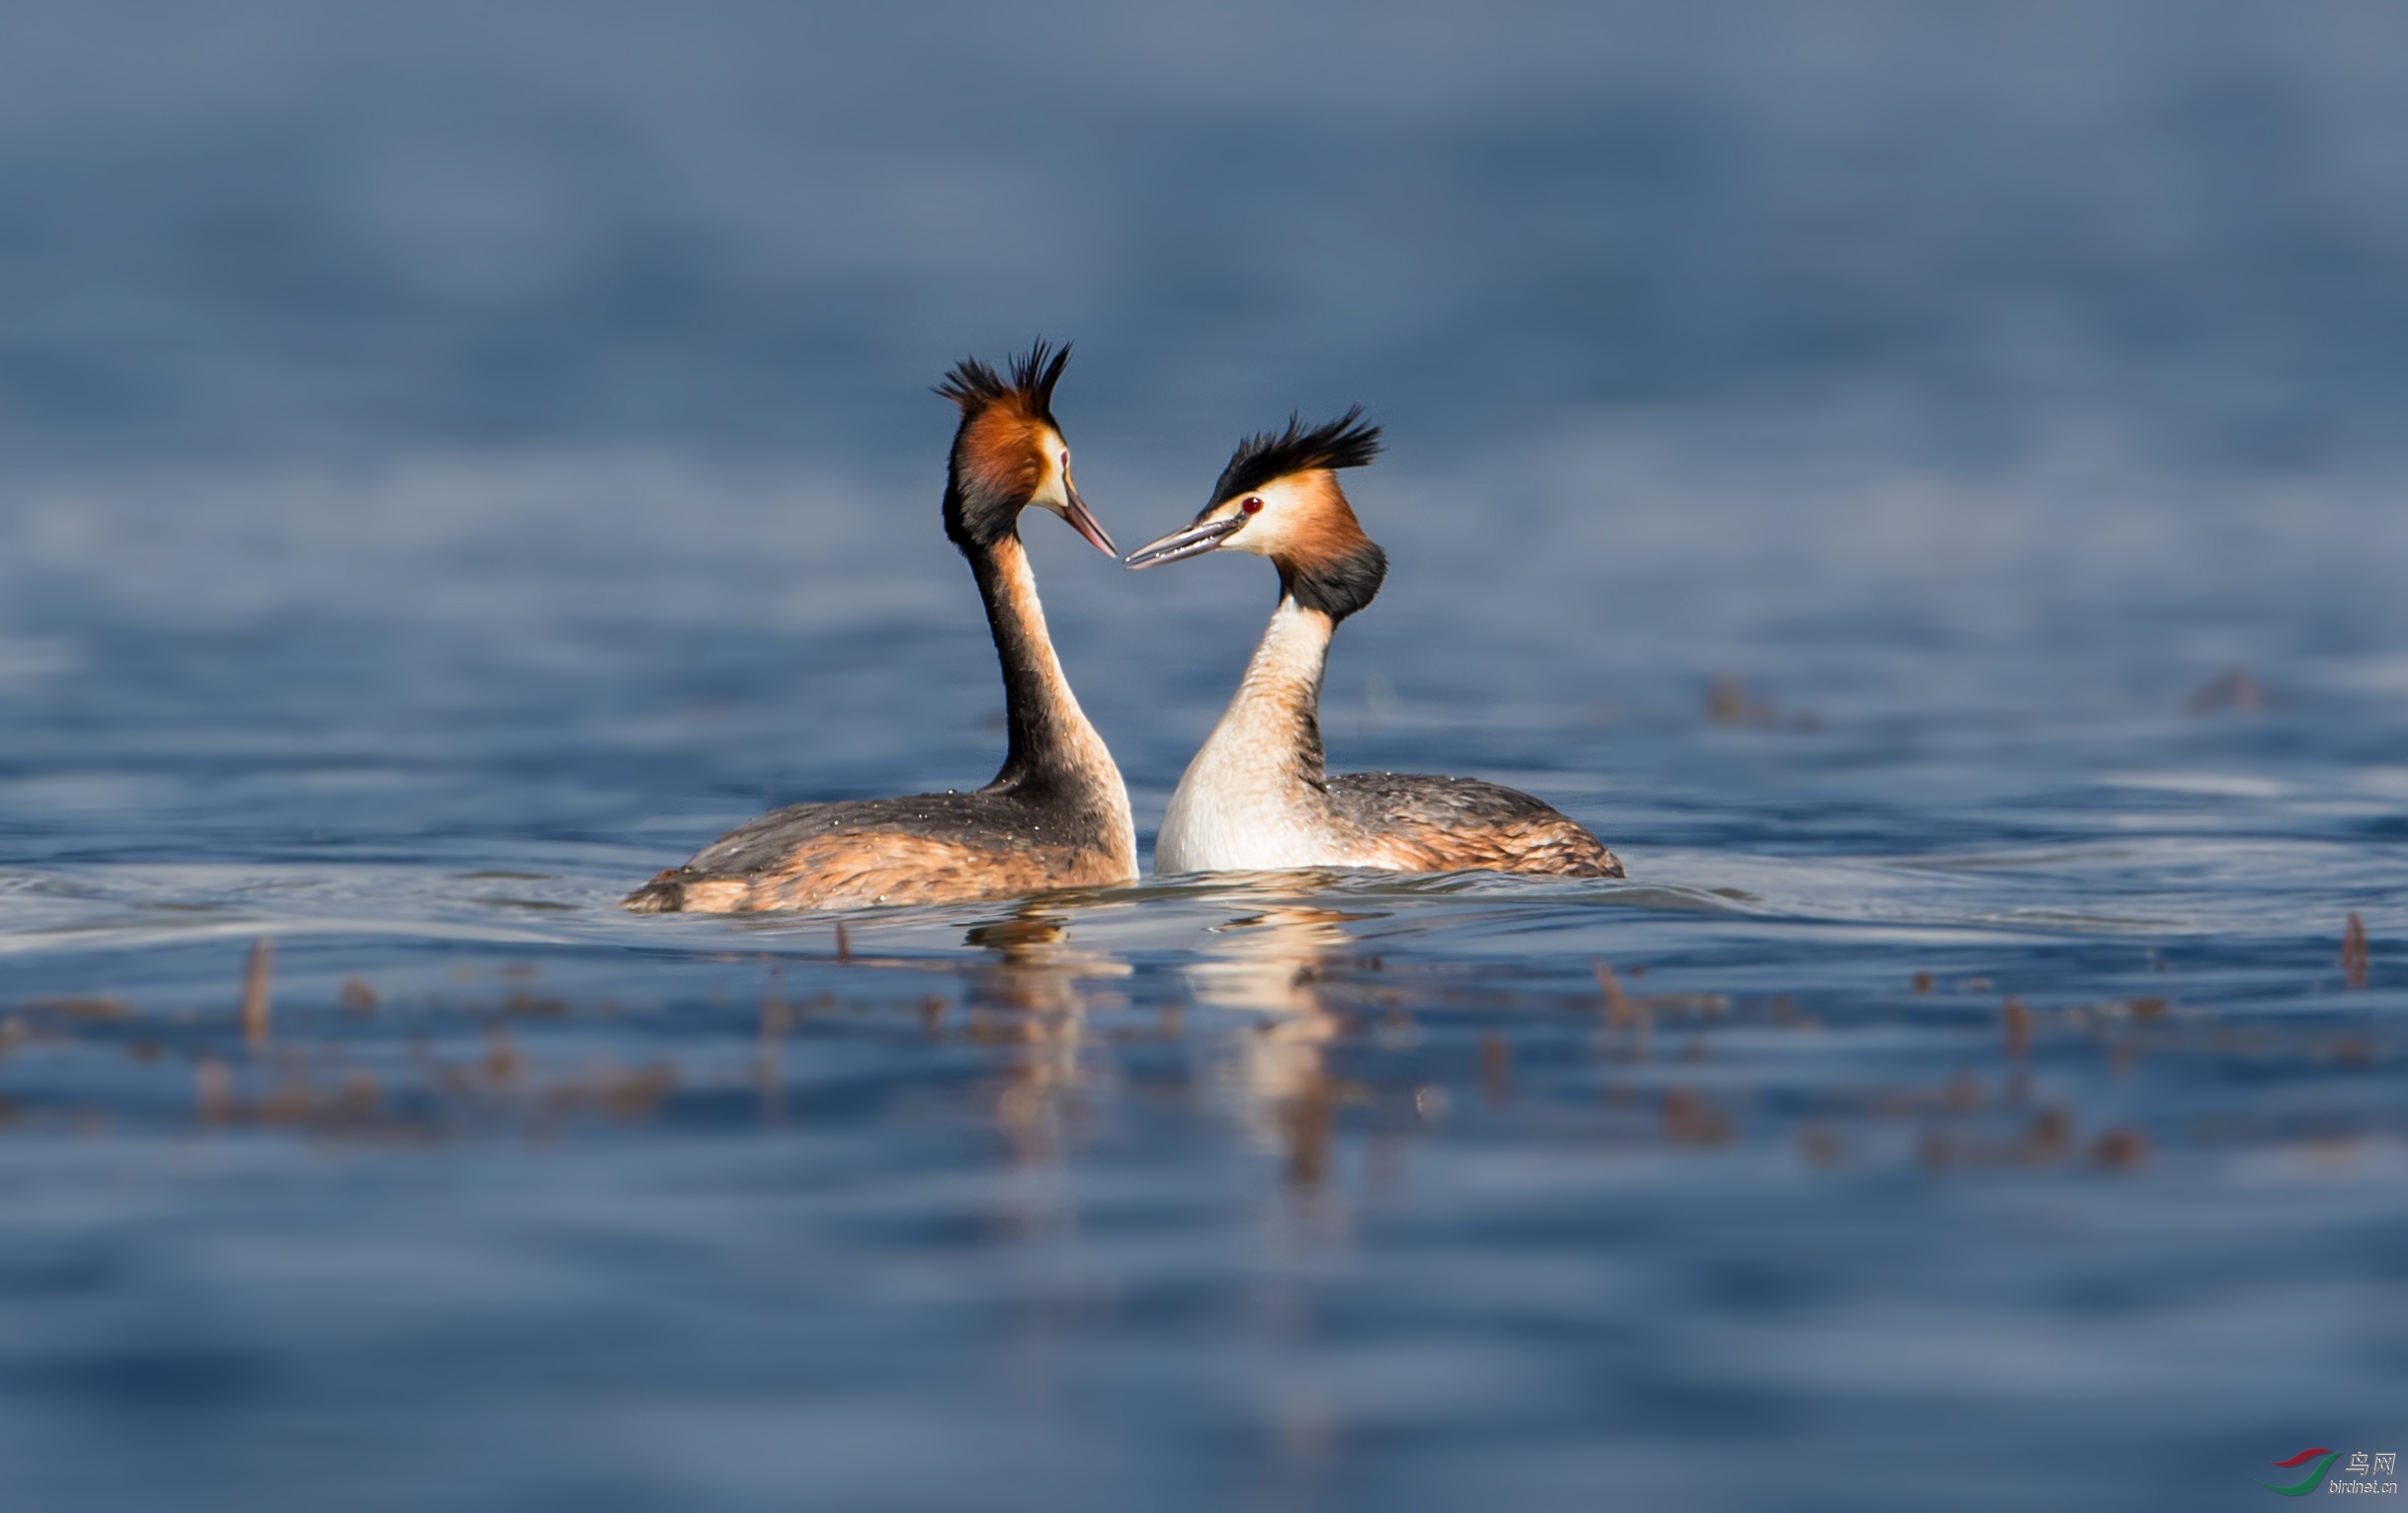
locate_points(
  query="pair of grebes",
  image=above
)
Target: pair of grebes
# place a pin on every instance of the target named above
(1256, 798)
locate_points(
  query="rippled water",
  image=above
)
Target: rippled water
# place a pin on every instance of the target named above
(1895, 488)
(1294, 1190)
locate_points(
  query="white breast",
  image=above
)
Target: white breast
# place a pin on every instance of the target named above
(1230, 815)
(1245, 804)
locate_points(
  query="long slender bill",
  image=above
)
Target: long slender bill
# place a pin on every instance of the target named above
(1178, 545)
(1085, 523)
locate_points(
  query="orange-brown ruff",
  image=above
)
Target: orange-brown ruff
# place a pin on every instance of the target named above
(1055, 816)
(1257, 797)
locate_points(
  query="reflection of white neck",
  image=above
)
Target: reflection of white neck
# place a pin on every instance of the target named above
(1265, 967)
(1253, 797)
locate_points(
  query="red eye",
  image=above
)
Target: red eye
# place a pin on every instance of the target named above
(1252, 505)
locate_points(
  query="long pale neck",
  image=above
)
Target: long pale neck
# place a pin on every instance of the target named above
(1273, 727)
(1254, 796)
(1051, 743)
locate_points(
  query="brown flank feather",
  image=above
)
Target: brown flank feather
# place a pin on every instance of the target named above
(856, 871)
(1417, 823)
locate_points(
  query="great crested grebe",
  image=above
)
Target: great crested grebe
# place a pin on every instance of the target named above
(1056, 816)
(1256, 797)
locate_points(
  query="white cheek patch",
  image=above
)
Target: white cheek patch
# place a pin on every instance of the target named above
(1272, 528)
(1052, 490)
(1243, 539)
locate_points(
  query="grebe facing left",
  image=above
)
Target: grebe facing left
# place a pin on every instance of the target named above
(1056, 816)
(1256, 798)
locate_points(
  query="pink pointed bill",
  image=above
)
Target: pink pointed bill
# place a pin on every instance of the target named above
(1084, 521)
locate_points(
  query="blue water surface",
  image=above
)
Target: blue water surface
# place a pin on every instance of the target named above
(1923, 487)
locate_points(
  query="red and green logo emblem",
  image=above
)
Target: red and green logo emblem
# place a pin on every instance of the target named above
(2314, 1479)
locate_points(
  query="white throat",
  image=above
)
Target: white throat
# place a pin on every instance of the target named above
(1252, 799)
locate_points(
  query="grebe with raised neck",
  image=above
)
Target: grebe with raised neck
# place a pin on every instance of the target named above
(1056, 816)
(1257, 797)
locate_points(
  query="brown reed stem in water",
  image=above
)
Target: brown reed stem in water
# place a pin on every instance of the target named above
(2018, 1022)
(1619, 1009)
(770, 1071)
(2355, 957)
(1496, 1068)
(255, 983)
(214, 1090)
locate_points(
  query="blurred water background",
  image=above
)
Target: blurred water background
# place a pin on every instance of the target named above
(1920, 482)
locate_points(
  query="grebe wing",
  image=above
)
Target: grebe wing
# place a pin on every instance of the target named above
(1418, 823)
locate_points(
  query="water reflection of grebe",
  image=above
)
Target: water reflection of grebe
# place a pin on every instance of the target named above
(1056, 816)
(1270, 964)
(1036, 975)
(1033, 968)
(1257, 795)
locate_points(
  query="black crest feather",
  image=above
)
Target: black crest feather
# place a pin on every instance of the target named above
(1342, 443)
(975, 387)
